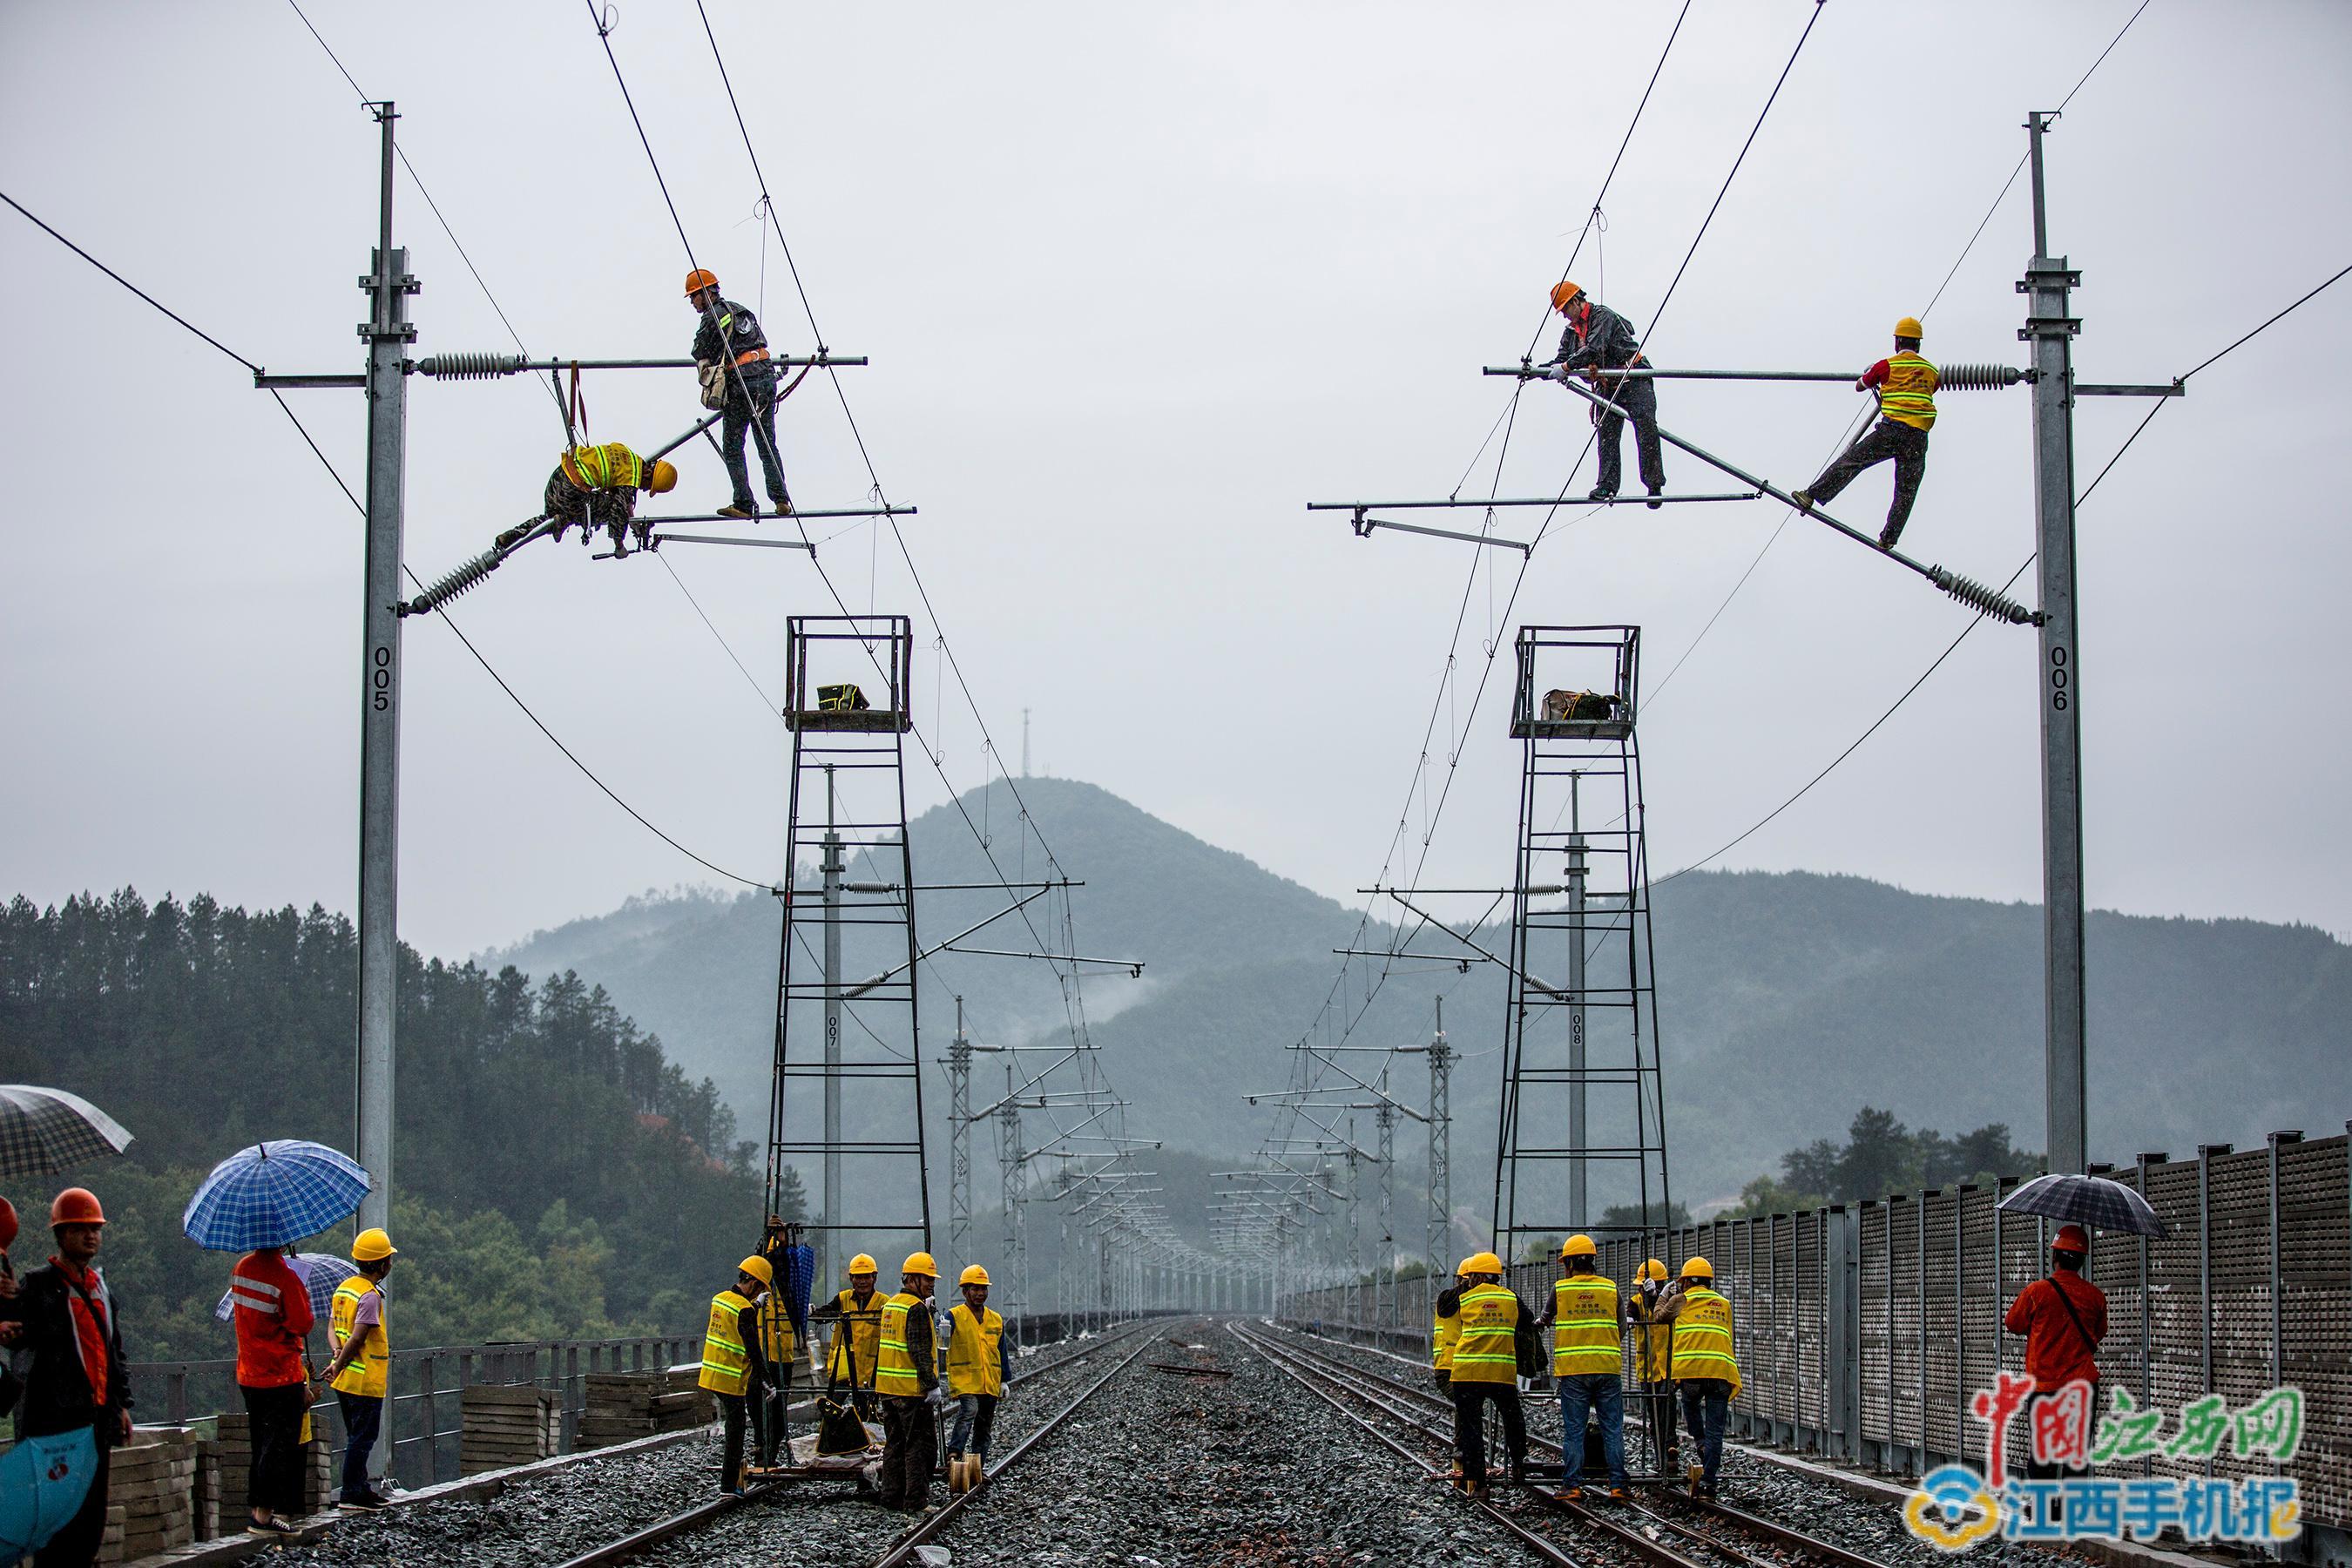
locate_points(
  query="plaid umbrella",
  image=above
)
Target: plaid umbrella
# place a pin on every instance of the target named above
(272, 1193)
(45, 1130)
(2094, 1201)
(321, 1271)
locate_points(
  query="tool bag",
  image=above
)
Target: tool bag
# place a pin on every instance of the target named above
(1578, 707)
(714, 385)
(843, 699)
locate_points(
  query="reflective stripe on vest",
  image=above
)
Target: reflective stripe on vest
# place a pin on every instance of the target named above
(1653, 1343)
(777, 1341)
(975, 1356)
(726, 1359)
(1584, 1326)
(1909, 395)
(854, 1339)
(370, 1371)
(894, 1361)
(611, 465)
(1485, 1352)
(1703, 1338)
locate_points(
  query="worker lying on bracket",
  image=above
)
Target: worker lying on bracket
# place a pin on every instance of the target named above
(1905, 384)
(1596, 340)
(597, 487)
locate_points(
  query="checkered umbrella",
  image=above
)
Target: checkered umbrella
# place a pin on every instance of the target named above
(2094, 1201)
(321, 1271)
(272, 1193)
(45, 1130)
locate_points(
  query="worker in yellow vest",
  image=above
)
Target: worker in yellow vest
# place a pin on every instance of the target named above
(907, 1380)
(980, 1359)
(857, 1316)
(1905, 384)
(1588, 1363)
(1649, 1308)
(1706, 1368)
(1446, 1327)
(597, 487)
(361, 1373)
(732, 1365)
(780, 1348)
(1486, 1370)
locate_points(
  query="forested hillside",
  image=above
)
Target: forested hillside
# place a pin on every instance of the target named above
(557, 1173)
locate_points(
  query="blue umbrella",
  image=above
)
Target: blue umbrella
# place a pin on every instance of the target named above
(42, 1483)
(2094, 1201)
(321, 1271)
(273, 1193)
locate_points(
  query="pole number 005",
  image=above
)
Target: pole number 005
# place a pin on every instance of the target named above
(2061, 680)
(380, 679)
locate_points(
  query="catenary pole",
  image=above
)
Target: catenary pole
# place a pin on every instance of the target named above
(2050, 329)
(830, 869)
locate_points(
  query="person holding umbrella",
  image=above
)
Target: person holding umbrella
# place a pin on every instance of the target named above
(64, 1325)
(272, 1310)
(361, 1372)
(2062, 1317)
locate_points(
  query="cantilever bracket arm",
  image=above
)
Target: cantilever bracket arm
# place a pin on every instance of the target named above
(863, 986)
(1134, 966)
(1545, 987)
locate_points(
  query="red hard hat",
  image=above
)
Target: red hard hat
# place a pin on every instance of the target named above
(76, 1205)
(2071, 1238)
(8, 1225)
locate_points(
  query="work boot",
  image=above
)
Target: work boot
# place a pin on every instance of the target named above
(1619, 1494)
(1655, 491)
(783, 504)
(1570, 1494)
(744, 508)
(1802, 498)
(1888, 535)
(1602, 493)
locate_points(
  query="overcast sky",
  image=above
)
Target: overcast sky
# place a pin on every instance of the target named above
(1138, 283)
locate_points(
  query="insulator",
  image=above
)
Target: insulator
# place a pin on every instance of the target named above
(456, 582)
(1976, 377)
(1982, 599)
(468, 367)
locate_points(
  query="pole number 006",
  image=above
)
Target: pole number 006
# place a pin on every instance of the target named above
(2061, 678)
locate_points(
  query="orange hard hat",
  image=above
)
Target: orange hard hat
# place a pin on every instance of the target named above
(1562, 292)
(2071, 1238)
(76, 1205)
(699, 279)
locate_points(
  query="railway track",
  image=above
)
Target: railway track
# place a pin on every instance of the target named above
(901, 1549)
(1710, 1534)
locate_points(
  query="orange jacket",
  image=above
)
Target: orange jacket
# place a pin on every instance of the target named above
(2057, 1353)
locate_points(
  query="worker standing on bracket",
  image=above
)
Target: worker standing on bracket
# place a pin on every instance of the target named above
(1598, 340)
(1905, 384)
(730, 355)
(597, 487)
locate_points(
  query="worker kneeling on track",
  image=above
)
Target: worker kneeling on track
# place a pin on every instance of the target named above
(732, 1365)
(1907, 385)
(906, 1379)
(980, 1360)
(597, 487)
(1486, 1370)
(1706, 1369)
(1588, 1359)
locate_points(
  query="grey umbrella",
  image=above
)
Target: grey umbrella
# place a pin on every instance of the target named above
(2094, 1201)
(45, 1130)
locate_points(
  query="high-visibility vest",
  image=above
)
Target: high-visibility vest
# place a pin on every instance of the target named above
(726, 1359)
(777, 1341)
(611, 465)
(1703, 1338)
(1485, 1351)
(854, 1337)
(370, 1371)
(1909, 395)
(975, 1352)
(894, 1362)
(1653, 1343)
(1444, 1332)
(1584, 1337)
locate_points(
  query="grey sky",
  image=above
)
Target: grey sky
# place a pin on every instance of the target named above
(1137, 283)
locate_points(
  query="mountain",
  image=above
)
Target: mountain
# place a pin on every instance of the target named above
(1787, 1001)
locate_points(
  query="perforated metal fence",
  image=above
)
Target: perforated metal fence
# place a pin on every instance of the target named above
(1863, 1329)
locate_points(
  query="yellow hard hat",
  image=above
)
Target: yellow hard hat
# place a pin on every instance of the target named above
(1697, 1269)
(1578, 1245)
(919, 1263)
(863, 1264)
(371, 1246)
(1482, 1263)
(975, 1275)
(1563, 291)
(664, 478)
(759, 1268)
(1909, 327)
(1652, 1269)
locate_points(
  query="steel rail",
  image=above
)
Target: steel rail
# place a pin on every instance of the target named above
(1274, 1355)
(904, 1547)
(689, 1519)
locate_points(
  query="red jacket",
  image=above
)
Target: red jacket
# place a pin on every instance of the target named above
(2057, 1353)
(273, 1314)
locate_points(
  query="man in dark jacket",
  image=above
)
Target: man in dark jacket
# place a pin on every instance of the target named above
(1598, 340)
(729, 344)
(63, 1326)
